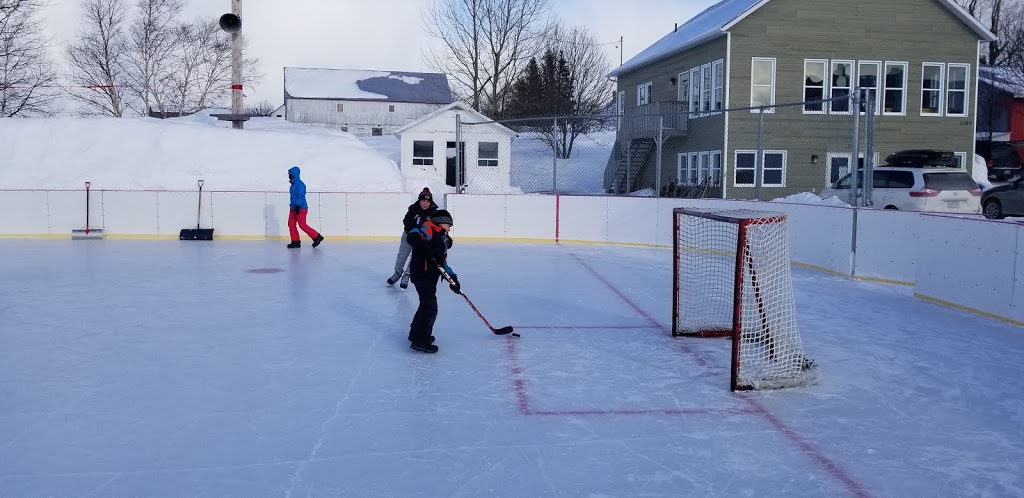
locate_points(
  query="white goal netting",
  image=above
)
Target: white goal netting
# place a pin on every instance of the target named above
(732, 278)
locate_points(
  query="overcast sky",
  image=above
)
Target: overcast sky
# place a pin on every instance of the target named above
(387, 34)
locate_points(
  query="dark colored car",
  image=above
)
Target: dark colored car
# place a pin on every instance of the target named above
(1003, 159)
(1004, 200)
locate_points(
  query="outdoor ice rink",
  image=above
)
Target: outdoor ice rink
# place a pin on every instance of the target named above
(169, 368)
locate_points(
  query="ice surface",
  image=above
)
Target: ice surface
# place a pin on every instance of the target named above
(160, 368)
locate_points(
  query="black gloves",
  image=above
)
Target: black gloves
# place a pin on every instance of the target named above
(448, 241)
(296, 210)
(454, 284)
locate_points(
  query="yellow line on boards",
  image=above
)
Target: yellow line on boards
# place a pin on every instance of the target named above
(967, 309)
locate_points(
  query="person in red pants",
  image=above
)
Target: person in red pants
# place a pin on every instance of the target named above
(297, 210)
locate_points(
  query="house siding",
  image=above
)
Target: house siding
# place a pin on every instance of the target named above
(911, 31)
(357, 114)
(705, 133)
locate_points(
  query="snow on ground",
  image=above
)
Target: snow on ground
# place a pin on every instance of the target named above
(143, 153)
(809, 198)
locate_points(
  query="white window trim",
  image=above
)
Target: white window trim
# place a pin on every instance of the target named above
(963, 159)
(785, 166)
(829, 156)
(706, 89)
(904, 89)
(479, 159)
(717, 107)
(694, 157)
(433, 146)
(719, 169)
(852, 84)
(621, 106)
(941, 89)
(826, 79)
(681, 158)
(878, 81)
(680, 87)
(703, 172)
(754, 60)
(965, 91)
(644, 90)
(694, 106)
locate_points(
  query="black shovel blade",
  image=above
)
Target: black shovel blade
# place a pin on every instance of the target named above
(196, 234)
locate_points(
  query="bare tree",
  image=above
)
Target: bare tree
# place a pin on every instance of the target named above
(150, 43)
(1004, 18)
(199, 75)
(27, 77)
(484, 45)
(96, 59)
(263, 109)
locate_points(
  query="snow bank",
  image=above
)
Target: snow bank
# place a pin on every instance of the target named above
(979, 172)
(143, 153)
(809, 198)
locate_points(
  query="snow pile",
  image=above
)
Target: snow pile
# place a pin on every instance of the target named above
(809, 198)
(143, 153)
(647, 192)
(979, 172)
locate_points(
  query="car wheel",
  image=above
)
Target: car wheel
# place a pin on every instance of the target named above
(993, 210)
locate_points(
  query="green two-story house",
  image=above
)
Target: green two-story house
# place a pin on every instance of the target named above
(700, 92)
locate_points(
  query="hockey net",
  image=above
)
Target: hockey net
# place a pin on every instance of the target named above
(732, 279)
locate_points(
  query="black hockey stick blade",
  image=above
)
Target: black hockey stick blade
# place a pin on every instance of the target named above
(505, 331)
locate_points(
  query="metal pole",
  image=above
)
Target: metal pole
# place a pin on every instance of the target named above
(854, 173)
(236, 67)
(869, 148)
(554, 158)
(759, 160)
(629, 149)
(458, 156)
(657, 181)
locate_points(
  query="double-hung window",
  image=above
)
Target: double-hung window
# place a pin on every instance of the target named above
(841, 83)
(956, 89)
(872, 69)
(814, 85)
(773, 169)
(762, 83)
(422, 153)
(894, 100)
(718, 97)
(932, 79)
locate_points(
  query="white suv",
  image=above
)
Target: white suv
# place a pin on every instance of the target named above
(915, 188)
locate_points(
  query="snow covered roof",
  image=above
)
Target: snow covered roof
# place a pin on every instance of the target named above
(458, 106)
(1008, 79)
(716, 20)
(357, 84)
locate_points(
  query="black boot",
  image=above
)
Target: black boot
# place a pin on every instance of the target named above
(429, 341)
(319, 238)
(394, 278)
(294, 245)
(424, 348)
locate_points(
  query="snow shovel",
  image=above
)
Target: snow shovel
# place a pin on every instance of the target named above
(87, 233)
(197, 233)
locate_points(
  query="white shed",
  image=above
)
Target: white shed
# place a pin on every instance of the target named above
(428, 144)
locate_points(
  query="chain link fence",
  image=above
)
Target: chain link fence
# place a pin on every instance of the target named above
(664, 149)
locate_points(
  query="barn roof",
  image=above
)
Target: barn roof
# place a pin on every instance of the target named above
(358, 84)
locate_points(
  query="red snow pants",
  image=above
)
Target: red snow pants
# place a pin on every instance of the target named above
(300, 220)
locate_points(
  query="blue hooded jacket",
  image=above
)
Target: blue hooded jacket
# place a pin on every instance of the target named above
(297, 190)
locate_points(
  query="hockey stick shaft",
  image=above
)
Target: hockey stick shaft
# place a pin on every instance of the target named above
(501, 331)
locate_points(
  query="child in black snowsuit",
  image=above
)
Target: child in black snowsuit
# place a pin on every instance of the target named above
(418, 212)
(430, 243)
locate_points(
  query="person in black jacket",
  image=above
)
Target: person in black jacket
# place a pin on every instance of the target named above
(418, 212)
(430, 243)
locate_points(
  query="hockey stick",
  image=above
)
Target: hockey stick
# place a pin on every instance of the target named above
(501, 331)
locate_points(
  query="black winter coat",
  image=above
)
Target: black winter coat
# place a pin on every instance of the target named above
(416, 216)
(430, 245)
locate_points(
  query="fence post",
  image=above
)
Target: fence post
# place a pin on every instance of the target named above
(759, 159)
(855, 156)
(554, 157)
(629, 150)
(458, 155)
(869, 148)
(657, 181)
